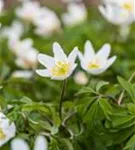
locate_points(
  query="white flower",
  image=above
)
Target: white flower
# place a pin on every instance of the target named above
(81, 78)
(25, 53)
(71, 1)
(23, 0)
(76, 14)
(124, 32)
(28, 11)
(22, 74)
(1, 5)
(96, 63)
(40, 144)
(7, 129)
(60, 67)
(118, 12)
(129, 6)
(14, 32)
(46, 22)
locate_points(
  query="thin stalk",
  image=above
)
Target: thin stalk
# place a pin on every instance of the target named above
(123, 92)
(89, 80)
(62, 98)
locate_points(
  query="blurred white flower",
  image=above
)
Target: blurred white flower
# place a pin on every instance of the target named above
(81, 78)
(28, 11)
(40, 144)
(118, 12)
(23, 0)
(7, 129)
(71, 1)
(96, 63)
(124, 32)
(22, 74)
(10, 107)
(76, 14)
(25, 53)
(14, 32)
(60, 67)
(46, 22)
(129, 6)
(1, 5)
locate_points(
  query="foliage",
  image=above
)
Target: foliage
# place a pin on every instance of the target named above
(92, 119)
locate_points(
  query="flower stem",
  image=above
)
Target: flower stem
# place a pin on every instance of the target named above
(62, 98)
(123, 92)
(89, 80)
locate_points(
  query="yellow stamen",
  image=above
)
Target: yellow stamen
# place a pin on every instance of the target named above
(60, 69)
(93, 65)
(127, 6)
(2, 135)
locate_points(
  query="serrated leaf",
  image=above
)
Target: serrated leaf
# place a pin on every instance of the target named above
(128, 87)
(100, 85)
(86, 90)
(130, 144)
(65, 144)
(91, 115)
(106, 107)
(131, 108)
(36, 107)
(54, 145)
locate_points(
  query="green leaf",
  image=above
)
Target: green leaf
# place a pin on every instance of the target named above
(128, 87)
(25, 100)
(100, 85)
(90, 117)
(36, 107)
(130, 144)
(131, 108)
(106, 107)
(65, 144)
(86, 90)
(2, 102)
(54, 145)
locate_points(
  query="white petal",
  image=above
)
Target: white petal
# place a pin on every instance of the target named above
(72, 70)
(21, 63)
(60, 78)
(41, 143)
(89, 51)
(96, 71)
(80, 55)
(19, 144)
(103, 11)
(82, 60)
(72, 56)
(103, 69)
(110, 61)
(46, 60)
(27, 43)
(104, 52)
(59, 53)
(43, 72)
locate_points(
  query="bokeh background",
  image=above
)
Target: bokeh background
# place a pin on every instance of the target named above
(25, 94)
(9, 3)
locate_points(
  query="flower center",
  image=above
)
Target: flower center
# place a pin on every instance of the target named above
(94, 64)
(60, 69)
(128, 6)
(2, 135)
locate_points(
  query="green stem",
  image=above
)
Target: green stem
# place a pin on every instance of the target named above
(123, 92)
(89, 80)
(62, 98)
